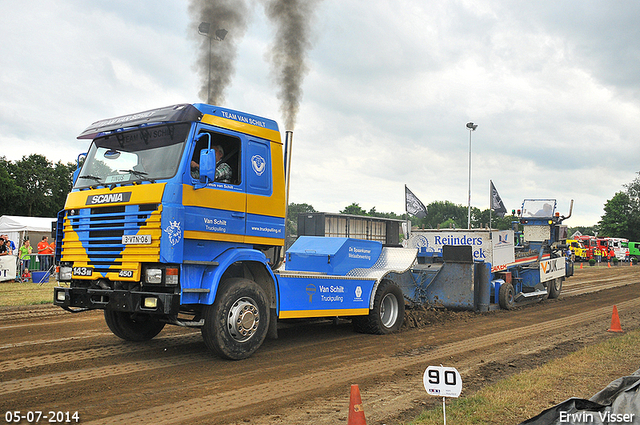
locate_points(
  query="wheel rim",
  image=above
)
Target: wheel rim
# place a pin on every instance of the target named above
(389, 310)
(243, 319)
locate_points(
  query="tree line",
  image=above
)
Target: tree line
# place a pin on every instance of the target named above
(621, 218)
(34, 186)
(440, 214)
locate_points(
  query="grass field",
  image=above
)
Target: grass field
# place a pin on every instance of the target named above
(27, 293)
(526, 394)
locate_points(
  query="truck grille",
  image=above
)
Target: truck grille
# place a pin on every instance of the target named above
(93, 237)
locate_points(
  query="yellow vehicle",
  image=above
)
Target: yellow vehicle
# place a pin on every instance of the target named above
(577, 250)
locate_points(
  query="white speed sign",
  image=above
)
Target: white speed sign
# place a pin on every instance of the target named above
(442, 381)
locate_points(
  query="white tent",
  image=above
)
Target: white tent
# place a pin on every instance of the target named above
(18, 228)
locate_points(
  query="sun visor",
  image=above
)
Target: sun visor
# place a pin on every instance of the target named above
(175, 113)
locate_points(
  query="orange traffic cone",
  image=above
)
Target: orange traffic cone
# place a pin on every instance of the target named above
(356, 411)
(608, 264)
(615, 321)
(580, 264)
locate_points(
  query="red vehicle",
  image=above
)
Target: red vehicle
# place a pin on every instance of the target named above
(591, 244)
(605, 249)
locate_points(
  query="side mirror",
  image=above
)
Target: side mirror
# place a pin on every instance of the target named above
(76, 173)
(207, 167)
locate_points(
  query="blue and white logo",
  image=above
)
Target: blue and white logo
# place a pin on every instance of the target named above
(421, 242)
(358, 291)
(258, 164)
(174, 232)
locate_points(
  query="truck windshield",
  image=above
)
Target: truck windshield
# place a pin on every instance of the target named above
(145, 154)
(544, 208)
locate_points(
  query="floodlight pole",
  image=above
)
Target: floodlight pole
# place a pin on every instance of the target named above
(209, 78)
(205, 29)
(472, 127)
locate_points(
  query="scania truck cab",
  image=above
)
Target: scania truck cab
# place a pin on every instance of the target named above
(147, 232)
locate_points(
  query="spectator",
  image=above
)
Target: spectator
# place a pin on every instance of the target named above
(13, 246)
(25, 256)
(44, 253)
(3, 247)
(26, 275)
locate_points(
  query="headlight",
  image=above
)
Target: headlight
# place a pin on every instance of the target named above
(153, 276)
(150, 302)
(60, 296)
(64, 274)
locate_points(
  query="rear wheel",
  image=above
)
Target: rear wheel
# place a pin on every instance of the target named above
(554, 288)
(506, 296)
(236, 324)
(133, 326)
(387, 314)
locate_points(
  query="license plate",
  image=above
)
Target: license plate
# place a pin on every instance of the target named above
(136, 239)
(118, 178)
(82, 271)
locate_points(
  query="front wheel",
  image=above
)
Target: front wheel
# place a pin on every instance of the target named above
(236, 324)
(387, 314)
(554, 288)
(133, 326)
(506, 296)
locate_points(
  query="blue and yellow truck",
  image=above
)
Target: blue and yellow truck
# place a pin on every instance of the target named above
(177, 216)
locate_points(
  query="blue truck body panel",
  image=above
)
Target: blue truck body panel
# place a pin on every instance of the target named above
(333, 256)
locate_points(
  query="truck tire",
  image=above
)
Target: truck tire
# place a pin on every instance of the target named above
(387, 314)
(554, 288)
(132, 326)
(237, 323)
(506, 296)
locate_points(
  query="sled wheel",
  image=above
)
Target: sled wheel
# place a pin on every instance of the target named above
(554, 288)
(387, 314)
(506, 297)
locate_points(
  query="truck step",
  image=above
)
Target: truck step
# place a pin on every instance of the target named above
(196, 290)
(529, 295)
(188, 323)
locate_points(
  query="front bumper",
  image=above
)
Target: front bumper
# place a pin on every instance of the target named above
(81, 299)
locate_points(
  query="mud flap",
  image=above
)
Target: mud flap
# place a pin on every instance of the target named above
(272, 332)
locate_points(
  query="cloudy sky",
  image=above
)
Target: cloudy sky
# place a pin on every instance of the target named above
(554, 87)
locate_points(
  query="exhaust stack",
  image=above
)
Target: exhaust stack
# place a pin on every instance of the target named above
(570, 211)
(288, 144)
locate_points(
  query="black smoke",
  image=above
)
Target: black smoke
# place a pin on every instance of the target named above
(232, 16)
(288, 52)
(288, 55)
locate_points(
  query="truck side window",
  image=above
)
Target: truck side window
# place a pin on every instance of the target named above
(227, 156)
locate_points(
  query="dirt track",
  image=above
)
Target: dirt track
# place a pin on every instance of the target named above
(51, 360)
